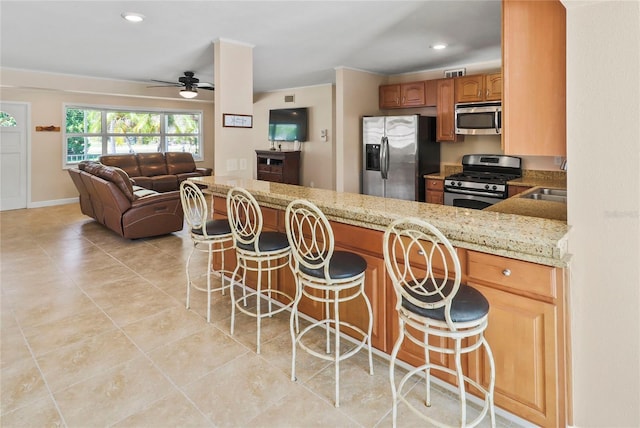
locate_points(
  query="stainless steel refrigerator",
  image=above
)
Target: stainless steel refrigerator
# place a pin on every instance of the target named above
(397, 152)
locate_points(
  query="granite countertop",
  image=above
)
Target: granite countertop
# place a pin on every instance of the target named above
(532, 208)
(530, 239)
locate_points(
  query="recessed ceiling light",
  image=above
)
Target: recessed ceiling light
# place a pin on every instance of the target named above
(132, 16)
(438, 46)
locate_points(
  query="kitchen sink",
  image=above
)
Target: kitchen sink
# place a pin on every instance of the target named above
(546, 194)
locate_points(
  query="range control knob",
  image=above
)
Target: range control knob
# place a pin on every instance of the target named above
(486, 186)
(459, 183)
(494, 187)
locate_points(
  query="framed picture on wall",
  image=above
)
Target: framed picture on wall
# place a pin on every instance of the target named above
(237, 120)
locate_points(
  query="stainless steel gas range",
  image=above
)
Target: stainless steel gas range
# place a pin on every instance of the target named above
(482, 182)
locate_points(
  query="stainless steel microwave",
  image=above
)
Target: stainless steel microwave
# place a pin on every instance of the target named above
(479, 118)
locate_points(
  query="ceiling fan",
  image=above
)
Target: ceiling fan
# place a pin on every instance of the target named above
(189, 84)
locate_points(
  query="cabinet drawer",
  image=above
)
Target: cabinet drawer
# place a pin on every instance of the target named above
(270, 176)
(433, 184)
(518, 275)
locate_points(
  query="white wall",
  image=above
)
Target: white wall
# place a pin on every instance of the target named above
(317, 159)
(603, 150)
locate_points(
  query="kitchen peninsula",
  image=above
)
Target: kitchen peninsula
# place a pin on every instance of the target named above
(519, 263)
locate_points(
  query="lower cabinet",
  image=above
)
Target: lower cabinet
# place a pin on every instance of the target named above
(435, 191)
(527, 336)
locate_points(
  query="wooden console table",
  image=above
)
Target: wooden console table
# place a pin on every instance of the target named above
(280, 166)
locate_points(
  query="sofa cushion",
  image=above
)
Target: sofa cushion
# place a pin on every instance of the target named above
(128, 162)
(164, 183)
(152, 164)
(113, 174)
(179, 162)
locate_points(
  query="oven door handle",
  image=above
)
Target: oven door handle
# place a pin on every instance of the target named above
(496, 118)
(472, 193)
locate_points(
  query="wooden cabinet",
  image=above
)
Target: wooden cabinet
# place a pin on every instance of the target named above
(278, 166)
(445, 117)
(405, 95)
(368, 244)
(534, 73)
(479, 87)
(515, 190)
(526, 333)
(435, 191)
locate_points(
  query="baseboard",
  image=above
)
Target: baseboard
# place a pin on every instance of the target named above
(51, 203)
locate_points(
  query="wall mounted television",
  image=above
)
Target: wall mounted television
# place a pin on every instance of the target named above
(288, 124)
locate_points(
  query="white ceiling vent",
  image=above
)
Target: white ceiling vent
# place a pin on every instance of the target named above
(454, 73)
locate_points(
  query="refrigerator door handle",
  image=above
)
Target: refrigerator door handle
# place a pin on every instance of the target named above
(384, 157)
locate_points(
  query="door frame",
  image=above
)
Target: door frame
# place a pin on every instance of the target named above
(27, 106)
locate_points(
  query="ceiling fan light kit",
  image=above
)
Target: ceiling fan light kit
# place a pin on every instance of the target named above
(188, 83)
(188, 93)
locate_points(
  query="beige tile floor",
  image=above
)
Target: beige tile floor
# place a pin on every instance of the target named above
(94, 332)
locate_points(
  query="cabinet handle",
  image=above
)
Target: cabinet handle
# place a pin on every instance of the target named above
(479, 94)
(487, 93)
(506, 272)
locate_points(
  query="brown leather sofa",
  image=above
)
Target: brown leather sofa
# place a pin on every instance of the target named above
(162, 172)
(107, 195)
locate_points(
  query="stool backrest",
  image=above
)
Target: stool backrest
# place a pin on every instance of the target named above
(245, 217)
(310, 235)
(422, 264)
(194, 206)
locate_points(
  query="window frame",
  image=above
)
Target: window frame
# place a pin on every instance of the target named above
(104, 135)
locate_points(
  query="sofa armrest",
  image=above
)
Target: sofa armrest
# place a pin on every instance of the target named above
(158, 198)
(204, 171)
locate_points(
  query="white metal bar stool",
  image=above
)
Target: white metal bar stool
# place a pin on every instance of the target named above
(257, 251)
(338, 275)
(208, 235)
(432, 301)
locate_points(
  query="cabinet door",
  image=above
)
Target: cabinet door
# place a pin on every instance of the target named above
(493, 87)
(413, 94)
(534, 73)
(515, 190)
(389, 96)
(469, 88)
(431, 93)
(522, 337)
(435, 191)
(445, 118)
(355, 311)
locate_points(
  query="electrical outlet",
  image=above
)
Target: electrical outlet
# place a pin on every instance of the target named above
(232, 164)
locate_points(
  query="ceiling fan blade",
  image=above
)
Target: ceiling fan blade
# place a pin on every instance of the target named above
(206, 85)
(168, 83)
(165, 86)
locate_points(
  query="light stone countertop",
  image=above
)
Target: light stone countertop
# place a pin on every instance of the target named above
(525, 238)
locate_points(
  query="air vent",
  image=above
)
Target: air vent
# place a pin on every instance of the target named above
(454, 73)
(289, 99)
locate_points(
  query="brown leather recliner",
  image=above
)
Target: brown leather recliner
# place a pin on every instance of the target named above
(107, 195)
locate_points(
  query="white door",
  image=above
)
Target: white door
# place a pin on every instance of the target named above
(14, 126)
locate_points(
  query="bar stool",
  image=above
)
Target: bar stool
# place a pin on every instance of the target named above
(208, 235)
(337, 275)
(256, 251)
(435, 304)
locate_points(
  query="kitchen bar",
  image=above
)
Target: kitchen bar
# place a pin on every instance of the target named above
(523, 238)
(518, 263)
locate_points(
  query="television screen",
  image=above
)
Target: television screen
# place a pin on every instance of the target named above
(289, 124)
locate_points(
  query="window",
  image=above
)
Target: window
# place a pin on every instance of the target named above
(6, 120)
(91, 132)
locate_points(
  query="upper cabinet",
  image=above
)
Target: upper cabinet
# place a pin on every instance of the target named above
(534, 78)
(479, 87)
(445, 117)
(404, 95)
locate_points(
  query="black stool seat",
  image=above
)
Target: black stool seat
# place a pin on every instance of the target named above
(269, 241)
(214, 227)
(343, 264)
(468, 304)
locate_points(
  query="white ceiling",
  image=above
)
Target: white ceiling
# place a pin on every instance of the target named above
(296, 43)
